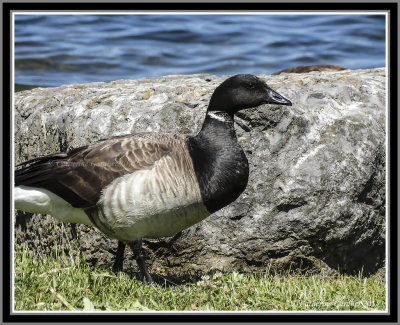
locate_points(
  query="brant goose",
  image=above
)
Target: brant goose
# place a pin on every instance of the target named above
(148, 185)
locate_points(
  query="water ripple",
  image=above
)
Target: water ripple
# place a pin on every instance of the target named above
(56, 49)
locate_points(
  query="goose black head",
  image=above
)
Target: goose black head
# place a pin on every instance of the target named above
(244, 91)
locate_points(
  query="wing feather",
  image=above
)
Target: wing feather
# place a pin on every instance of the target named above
(78, 176)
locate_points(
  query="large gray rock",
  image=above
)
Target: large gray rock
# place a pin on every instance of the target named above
(316, 193)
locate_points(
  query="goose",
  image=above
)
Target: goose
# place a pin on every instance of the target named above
(148, 185)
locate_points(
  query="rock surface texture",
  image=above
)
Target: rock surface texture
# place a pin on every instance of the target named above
(316, 192)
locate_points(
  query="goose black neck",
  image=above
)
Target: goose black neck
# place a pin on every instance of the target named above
(220, 164)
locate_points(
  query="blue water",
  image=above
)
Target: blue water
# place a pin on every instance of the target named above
(51, 50)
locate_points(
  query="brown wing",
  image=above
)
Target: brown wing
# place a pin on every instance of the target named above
(78, 176)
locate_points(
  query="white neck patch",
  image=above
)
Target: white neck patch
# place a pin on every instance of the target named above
(220, 116)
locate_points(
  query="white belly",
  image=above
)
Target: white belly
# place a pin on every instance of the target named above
(38, 200)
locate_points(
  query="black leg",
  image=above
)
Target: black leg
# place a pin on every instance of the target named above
(119, 258)
(136, 247)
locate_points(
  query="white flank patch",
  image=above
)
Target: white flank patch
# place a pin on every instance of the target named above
(152, 203)
(38, 200)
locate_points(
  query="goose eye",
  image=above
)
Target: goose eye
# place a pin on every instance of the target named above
(251, 85)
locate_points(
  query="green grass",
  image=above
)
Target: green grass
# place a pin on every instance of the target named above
(66, 283)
